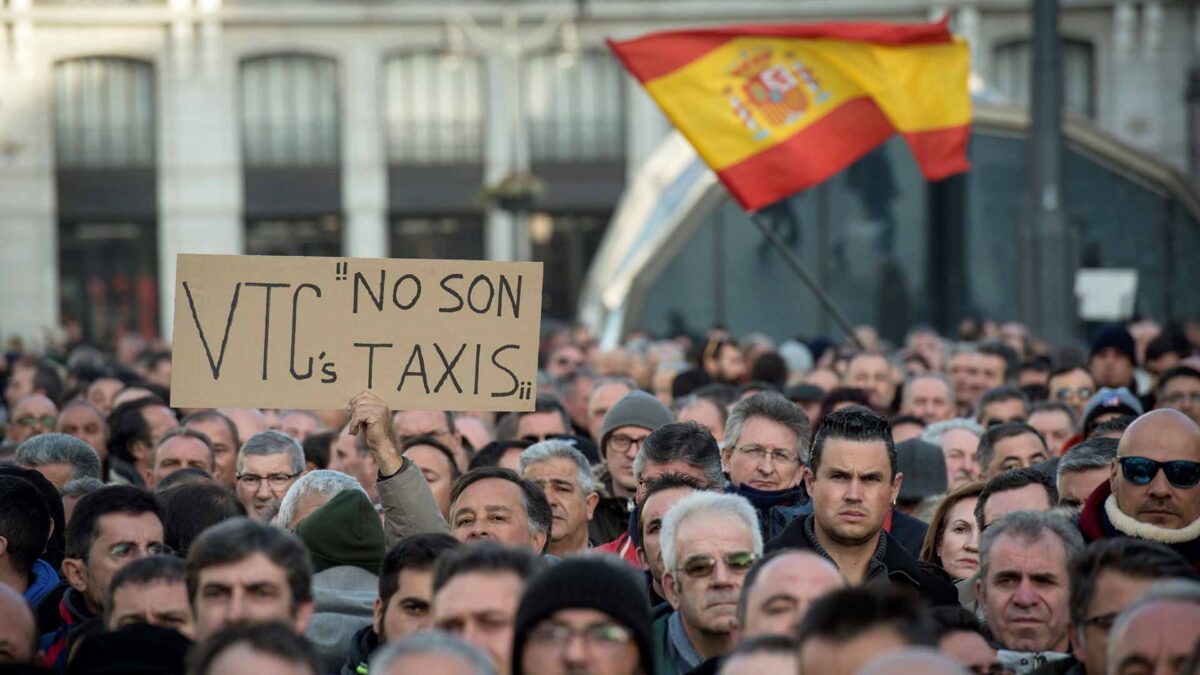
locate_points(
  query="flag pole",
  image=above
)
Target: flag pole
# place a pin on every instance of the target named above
(790, 258)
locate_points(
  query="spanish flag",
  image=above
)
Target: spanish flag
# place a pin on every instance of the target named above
(776, 109)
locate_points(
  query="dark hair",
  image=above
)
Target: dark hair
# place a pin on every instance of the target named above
(209, 415)
(1138, 558)
(142, 572)
(1173, 373)
(126, 426)
(487, 557)
(316, 447)
(839, 395)
(763, 644)
(189, 433)
(1013, 479)
(236, 539)
(1038, 364)
(53, 499)
(24, 522)
(993, 348)
(994, 434)
(846, 613)
(492, 453)
(1118, 423)
(1167, 342)
(1069, 368)
(1055, 406)
(418, 551)
(45, 378)
(81, 531)
(506, 429)
(276, 639)
(537, 508)
(440, 447)
(896, 420)
(723, 394)
(997, 395)
(189, 509)
(853, 424)
(667, 481)
(685, 442)
(771, 369)
(956, 619)
(183, 476)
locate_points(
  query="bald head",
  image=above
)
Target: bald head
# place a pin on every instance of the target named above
(913, 660)
(1154, 637)
(781, 589)
(18, 632)
(1160, 436)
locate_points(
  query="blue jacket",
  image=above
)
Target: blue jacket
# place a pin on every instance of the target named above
(44, 579)
(775, 508)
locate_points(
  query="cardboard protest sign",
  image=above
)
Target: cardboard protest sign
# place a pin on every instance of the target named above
(299, 332)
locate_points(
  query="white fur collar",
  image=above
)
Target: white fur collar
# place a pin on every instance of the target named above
(1129, 526)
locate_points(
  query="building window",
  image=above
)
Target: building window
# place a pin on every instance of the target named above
(289, 107)
(433, 109)
(574, 106)
(104, 113)
(1013, 66)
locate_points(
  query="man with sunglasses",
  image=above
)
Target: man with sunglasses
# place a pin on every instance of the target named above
(1154, 489)
(34, 415)
(709, 542)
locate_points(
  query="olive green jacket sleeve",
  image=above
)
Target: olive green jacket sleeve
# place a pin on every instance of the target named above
(408, 505)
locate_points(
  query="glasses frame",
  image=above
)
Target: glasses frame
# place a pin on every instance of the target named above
(1166, 467)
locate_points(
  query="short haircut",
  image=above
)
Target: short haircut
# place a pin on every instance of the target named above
(1055, 406)
(756, 571)
(272, 442)
(506, 430)
(553, 449)
(1174, 373)
(763, 644)
(993, 435)
(1119, 423)
(667, 481)
(24, 522)
(276, 639)
(846, 613)
(1013, 479)
(236, 539)
(999, 395)
(81, 486)
(493, 452)
(316, 447)
(322, 482)
(126, 426)
(853, 424)
(127, 499)
(1132, 557)
(1182, 591)
(957, 619)
(189, 474)
(393, 653)
(191, 508)
(934, 432)
(705, 504)
(1094, 453)
(188, 433)
(1029, 526)
(54, 448)
(994, 348)
(166, 569)
(774, 408)
(414, 552)
(487, 558)
(213, 415)
(537, 508)
(1067, 369)
(685, 442)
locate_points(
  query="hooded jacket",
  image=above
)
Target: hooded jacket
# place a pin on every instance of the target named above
(42, 580)
(1101, 518)
(72, 611)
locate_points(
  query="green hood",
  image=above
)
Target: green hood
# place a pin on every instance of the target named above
(345, 531)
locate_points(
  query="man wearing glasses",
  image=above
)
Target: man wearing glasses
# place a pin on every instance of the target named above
(1072, 385)
(33, 416)
(110, 528)
(1154, 489)
(709, 542)
(1179, 389)
(267, 466)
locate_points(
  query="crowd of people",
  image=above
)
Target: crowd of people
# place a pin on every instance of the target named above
(984, 503)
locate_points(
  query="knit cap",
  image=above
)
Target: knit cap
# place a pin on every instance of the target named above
(345, 531)
(637, 409)
(1115, 336)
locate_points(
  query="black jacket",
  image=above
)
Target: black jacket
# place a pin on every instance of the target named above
(902, 567)
(365, 642)
(611, 517)
(909, 531)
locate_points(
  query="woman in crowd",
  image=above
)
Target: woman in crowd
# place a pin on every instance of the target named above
(952, 542)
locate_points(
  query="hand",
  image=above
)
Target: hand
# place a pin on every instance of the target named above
(370, 416)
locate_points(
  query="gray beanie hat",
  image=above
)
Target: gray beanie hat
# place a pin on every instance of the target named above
(637, 409)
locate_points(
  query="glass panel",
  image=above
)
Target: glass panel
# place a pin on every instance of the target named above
(109, 282)
(565, 244)
(300, 236)
(1013, 63)
(433, 109)
(444, 236)
(104, 113)
(289, 111)
(574, 107)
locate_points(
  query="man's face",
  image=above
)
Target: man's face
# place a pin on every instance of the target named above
(407, 611)
(847, 657)
(537, 427)
(409, 423)
(1163, 436)
(480, 607)
(730, 365)
(1076, 486)
(20, 386)
(218, 432)
(83, 423)
(873, 374)
(34, 416)
(651, 513)
(102, 392)
(575, 400)
(708, 603)
(765, 457)
(559, 479)
(620, 451)
(160, 419)
(999, 412)
(552, 648)
(971, 651)
(783, 592)
(1113, 593)
(989, 373)
(1182, 394)
(1158, 638)
(251, 590)
(493, 509)
(929, 399)
(962, 371)
(159, 603)
(180, 452)
(344, 455)
(298, 425)
(564, 361)
(1024, 597)
(1054, 426)
(121, 538)
(262, 480)
(960, 447)
(1074, 388)
(1111, 368)
(1031, 497)
(852, 490)
(1016, 452)
(704, 412)
(438, 472)
(604, 397)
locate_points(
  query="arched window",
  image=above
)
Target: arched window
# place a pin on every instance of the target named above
(574, 107)
(289, 109)
(433, 108)
(1013, 67)
(104, 113)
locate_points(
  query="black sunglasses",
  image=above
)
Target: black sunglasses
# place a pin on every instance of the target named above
(1141, 470)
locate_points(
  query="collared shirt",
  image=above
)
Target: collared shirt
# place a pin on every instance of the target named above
(679, 646)
(876, 569)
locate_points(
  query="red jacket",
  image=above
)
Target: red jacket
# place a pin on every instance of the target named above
(622, 547)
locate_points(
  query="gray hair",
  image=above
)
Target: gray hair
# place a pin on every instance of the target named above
(187, 433)
(54, 448)
(393, 653)
(906, 389)
(700, 504)
(1183, 591)
(558, 449)
(1029, 526)
(323, 482)
(272, 443)
(80, 487)
(303, 413)
(933, 433)
(1094, 453)
(772, 407)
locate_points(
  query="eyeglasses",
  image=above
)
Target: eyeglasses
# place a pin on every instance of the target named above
(700, 566)
(759, 454)
(530, 438)
(622, 443)
(599, 637)
(1141, 470)
(31, 420)
(277, 481)
(1180, 398)
(1080, 394)
(561, 361)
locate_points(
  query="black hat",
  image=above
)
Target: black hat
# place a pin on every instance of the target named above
(1115, 336)
(924, 469)
(140, 649)
(587, 582)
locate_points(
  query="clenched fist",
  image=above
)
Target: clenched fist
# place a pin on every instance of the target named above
(371, 417)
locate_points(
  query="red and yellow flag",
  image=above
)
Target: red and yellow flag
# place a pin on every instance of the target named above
(776, 109)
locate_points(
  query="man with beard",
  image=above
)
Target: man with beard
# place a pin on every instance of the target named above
(723, 361)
